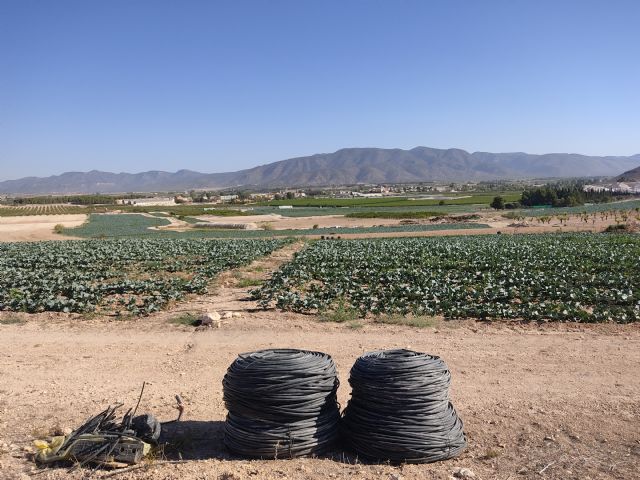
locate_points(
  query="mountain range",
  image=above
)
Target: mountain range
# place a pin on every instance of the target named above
(344, 167)
(630, 176)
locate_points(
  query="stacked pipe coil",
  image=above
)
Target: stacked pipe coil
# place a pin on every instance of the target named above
(400, 410)
(281, 403)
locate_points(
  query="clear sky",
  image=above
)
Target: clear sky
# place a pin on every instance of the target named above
(133, 85)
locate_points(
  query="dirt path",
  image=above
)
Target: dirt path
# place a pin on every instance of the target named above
(563, 399)
(227, 296)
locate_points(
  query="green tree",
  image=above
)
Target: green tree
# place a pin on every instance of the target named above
(498, 203)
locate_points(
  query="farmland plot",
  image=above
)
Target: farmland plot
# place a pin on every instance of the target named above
(137, 276)
(133, 225)
(46, 209)
(571, 277)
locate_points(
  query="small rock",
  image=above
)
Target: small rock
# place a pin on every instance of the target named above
(396, 476)
(66, 431)
(237, 314)
(463, 473)
(227, 315)
(208, 319)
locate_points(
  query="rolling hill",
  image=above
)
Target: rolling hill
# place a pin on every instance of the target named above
(346, 166)
(630, 176)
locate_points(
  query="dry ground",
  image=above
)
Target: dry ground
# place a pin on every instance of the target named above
(279, 222)
(497, 223)
(41, 227)
(538, 401)
(37, 227)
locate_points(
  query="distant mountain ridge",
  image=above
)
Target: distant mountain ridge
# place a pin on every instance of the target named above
(630, 176)
(346, 166)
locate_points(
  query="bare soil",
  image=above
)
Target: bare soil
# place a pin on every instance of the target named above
(279, 222)
(495, 221)
(538, 400)
(31, 228)
(41, 227)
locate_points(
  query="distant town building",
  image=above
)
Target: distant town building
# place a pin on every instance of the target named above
(261, 197)
(616, 187)
(147, 202)
(368, 195)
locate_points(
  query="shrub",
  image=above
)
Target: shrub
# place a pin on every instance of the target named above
(498, 203)
(617, 228)
(184, 319)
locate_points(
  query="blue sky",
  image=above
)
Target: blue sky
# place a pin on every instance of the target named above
(132, 85)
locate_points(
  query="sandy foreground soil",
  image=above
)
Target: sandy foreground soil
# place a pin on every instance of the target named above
(36, 227)
(538, 401)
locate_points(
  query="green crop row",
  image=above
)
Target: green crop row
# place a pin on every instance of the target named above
(138, 276)
(30, 210)
(572, 277)
(471, 199)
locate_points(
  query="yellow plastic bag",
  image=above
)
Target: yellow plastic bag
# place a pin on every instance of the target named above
(48, 449)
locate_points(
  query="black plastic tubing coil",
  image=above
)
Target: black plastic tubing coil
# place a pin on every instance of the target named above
(281, 404)
(399, 409)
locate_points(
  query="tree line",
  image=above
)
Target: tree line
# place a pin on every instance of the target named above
(559, 195)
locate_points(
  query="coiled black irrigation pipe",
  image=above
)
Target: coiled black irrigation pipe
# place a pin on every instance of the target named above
(400, 410)
(282, 403)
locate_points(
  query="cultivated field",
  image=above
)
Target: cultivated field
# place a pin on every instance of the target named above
(542, 393)
(135, 276)
(569, 277)
(136, 225)
(549, 400)
(43, 209)
(349, 218)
